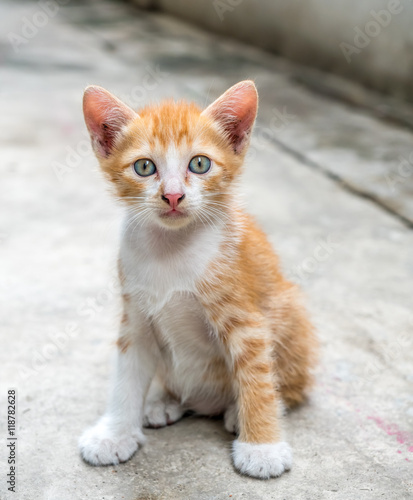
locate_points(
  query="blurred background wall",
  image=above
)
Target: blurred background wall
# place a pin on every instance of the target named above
(368, 40)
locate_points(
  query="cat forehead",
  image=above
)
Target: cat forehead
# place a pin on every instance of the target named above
(172, 132)
(171, 122)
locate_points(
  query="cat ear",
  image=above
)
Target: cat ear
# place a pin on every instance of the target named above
(105, 116)
(235, 111)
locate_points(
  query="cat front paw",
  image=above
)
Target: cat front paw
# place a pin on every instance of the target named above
(262, 460)
(102, 445)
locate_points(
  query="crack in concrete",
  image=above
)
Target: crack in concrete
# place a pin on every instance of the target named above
(347, 186)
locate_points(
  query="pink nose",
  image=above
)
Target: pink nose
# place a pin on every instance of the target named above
(173, 199)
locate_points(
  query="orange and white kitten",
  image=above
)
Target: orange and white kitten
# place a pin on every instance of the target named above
(209, 323)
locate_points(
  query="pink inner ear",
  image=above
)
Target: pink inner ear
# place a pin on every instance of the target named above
(105, 116)
(236, 110)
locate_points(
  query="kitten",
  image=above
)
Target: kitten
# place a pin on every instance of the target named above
(209, 323)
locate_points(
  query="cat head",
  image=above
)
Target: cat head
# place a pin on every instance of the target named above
(172, 163)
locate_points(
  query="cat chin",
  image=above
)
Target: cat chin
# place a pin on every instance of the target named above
(175, 222)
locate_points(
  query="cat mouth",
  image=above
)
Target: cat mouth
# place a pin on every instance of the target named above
(173, 214)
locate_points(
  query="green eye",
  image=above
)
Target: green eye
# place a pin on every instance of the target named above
(199, 164)
(144, 167)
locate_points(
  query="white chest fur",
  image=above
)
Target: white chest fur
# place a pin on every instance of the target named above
(158, 263)
(161, 269)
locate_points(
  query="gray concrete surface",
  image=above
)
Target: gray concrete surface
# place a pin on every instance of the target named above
(316, 182)
(369, 41)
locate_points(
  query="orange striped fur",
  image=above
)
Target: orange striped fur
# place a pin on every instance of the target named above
(202, 286)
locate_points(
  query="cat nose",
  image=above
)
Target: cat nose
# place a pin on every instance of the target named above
(173, 199)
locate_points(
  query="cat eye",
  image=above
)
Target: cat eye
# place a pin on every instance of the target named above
(199, 165)
(144, 167)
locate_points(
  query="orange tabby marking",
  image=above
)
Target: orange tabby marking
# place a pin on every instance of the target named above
(205, 304)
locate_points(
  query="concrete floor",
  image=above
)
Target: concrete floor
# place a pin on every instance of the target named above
(325, 181)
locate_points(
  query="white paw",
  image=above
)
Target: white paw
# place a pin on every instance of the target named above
(231, 419)
(102, 445)
(262, 460)
(161, 413)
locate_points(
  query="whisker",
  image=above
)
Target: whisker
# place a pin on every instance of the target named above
(135, 215)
